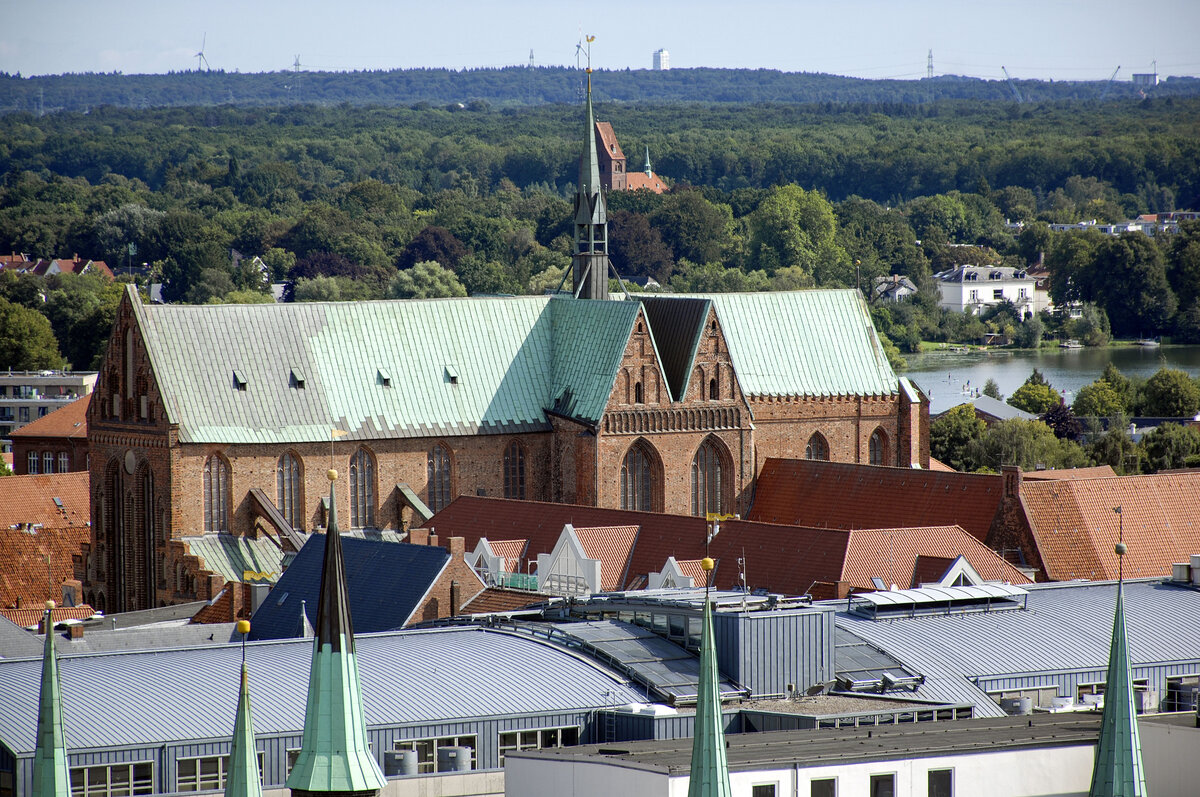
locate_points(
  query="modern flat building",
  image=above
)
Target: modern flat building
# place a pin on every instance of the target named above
(661, 60)
(26, 396)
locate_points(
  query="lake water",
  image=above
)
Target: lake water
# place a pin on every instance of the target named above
(947, 377)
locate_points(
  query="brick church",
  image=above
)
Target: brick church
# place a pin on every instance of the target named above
(211, 427)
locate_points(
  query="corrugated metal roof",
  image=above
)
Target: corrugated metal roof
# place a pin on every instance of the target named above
(1062, 628)
(148, 698)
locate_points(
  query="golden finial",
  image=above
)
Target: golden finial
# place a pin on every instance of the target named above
(707, 564)
(243, 627)
(50, 604)
(332, 474)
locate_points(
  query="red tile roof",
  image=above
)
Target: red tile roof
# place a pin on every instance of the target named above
(893, 554)
(65, 422)
(608, 140)
(612, 545)
(25, 576)
(495, 599)
(844, 496)
(75, 265)
(635, 180)
(940, 466)
(692, 569)
(512, 551)
(27, 618)
(30, 499)
(1075, 528)
(1096, 472)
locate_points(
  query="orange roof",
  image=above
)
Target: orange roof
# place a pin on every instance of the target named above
(30, 500)
(839, 495)
(27, 618)
(1096, 472)
(636, 180)
(511, 550)
(692, 569)
(608, 140)
(612, 545)
(69, 422)
(1075, 528)
(938, 465)
(24, 573)
(893, 554)
(495, 599)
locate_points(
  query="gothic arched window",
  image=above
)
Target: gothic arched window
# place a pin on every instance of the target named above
(216, 494)
(639, 478)
(817, 448)
(289, 496)
(708, 479)
(362, 490)
(877, 448)
(440, 472)
(514, 471)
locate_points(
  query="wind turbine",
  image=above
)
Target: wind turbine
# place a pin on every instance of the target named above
(200, 59)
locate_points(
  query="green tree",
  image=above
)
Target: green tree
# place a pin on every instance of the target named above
(794, 227)
(694, 228)
(1116, 449)
(1098, 400)
(636, 248)
(1026, 444)
(1170, 446)
(317, 289)
(1171, 393)
(81, 309)
(951, 433)
(1028, 334)
(1091, 328)
(426, 280)
(992, 390)
(26, 341)
(244, 296)
(1183, 263)
(1130, 282)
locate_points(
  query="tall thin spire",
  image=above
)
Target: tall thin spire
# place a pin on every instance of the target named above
(334, 755)
(590, 259)
(50, 773)
(647, 168)
(710, 768)
(242, 778)
(1119, 771)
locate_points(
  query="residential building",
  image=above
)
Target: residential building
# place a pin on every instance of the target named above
(990, 410)
(970, 289)
(54, 443)
(22, 264)
(26, 396)
(893, 288)
(661, 60)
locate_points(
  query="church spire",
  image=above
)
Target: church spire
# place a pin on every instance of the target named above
(243, 778)
(710, 768)
(50, 773)
(1118, 771)
(589, 264)
(334, 755)
(647, 168)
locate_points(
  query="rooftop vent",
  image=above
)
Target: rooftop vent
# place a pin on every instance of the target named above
(297, 379)
(385, 378)
(452, 374)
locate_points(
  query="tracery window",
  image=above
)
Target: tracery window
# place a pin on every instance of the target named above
(362, 490)
(638, 478)
(817, 448)
(216, 494)
(289, 496)
(708, 479)
(440, 466)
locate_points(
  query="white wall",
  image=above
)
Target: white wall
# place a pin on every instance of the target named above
(541, 777)
(1171, 756)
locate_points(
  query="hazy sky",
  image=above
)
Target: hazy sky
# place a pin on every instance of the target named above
(1060, 39)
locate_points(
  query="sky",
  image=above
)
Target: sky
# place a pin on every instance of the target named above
(1043, 39)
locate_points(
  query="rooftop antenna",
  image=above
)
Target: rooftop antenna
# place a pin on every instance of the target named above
(201, 60)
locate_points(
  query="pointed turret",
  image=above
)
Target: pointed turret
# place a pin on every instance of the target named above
(710, 768)
(334, 755)
(242, 778)
(1119, 771)
(50, 773)
(590, 261)
(647, 169)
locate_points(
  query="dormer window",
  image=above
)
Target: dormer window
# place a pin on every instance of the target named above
(296, 379)
(239, 380)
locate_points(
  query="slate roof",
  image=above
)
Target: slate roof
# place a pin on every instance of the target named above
(846, 496)
(30, 499)
(1074, 525)
(612, 545)
(1064, 628)
(16, 642)
(894, 556)
(29, 618)
(68, 422)
(150, 698)
(385, 581)
(994, 408)
(414, 368)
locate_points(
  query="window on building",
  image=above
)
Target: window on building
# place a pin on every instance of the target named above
(637, 479)
(23, 414)
(817, 448)
(439, 474)
(362, 490)
(31, 463)
(427, 750)
(825, 787)
(1023, 293)
(514, 471)
(289, 495)
(877, 448)
(883, 785)
(714, 389)
(113, 780)
(206, 774)
(64, 462)
(47, 462)
(539, 739)
(707, 479)
(998, 294)
(974, 296)
(941, 783)
(293, 755)
(42, 411)
(637, 393)
(216, 494)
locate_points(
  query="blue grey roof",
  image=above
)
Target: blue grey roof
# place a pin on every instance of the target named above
(16, 641)
(1064, 627)
(385, 581)
(410, 677)
(155, 636)
(999, 409)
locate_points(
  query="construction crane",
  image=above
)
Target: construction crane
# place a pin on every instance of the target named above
(1012, 86)
(1108, 85)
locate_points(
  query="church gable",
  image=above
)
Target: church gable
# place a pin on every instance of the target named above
(640, 379)
(712, 374)
(127, 389)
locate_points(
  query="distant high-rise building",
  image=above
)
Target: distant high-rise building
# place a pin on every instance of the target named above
(662, 60)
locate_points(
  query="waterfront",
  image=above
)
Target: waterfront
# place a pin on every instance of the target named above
(948, 377)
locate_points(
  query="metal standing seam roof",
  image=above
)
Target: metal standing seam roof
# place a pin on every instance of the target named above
(231, 555)
(1063, 628)
(154, 697)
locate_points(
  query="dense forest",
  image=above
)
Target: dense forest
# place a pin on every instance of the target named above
(514, 86)
(349, 202)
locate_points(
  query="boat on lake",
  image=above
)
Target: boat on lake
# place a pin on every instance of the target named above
(1070, 343)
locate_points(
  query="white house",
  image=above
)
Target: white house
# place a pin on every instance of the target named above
(972, 288)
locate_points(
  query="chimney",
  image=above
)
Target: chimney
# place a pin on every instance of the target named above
(76, 630)
(458, 547)
(418, 536)
(455, 598)
(1011, 475)
(433, 538)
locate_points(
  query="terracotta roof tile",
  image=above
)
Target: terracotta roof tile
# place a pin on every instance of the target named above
(1097, 472)
(23, 569)
(1075, 527)
(30, 499)
(608, 140)
(844, 496)
(512, 551)
(892, 554)
(635, 180)
(495, 599)
(27, 618)
(65, 422)
(692, 569)
(938, 465)
(612, 545)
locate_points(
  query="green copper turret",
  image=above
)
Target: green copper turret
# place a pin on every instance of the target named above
(1119, 771)
(334, 756)
(242, 778)
(51, 776)
(589, 264)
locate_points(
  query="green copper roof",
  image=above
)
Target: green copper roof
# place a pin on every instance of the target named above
(242, 778)
(589, 340)
(50, 774)
(1119, 771)
(804, 343)
(232, 556)
(710, 769)
(334, 753)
